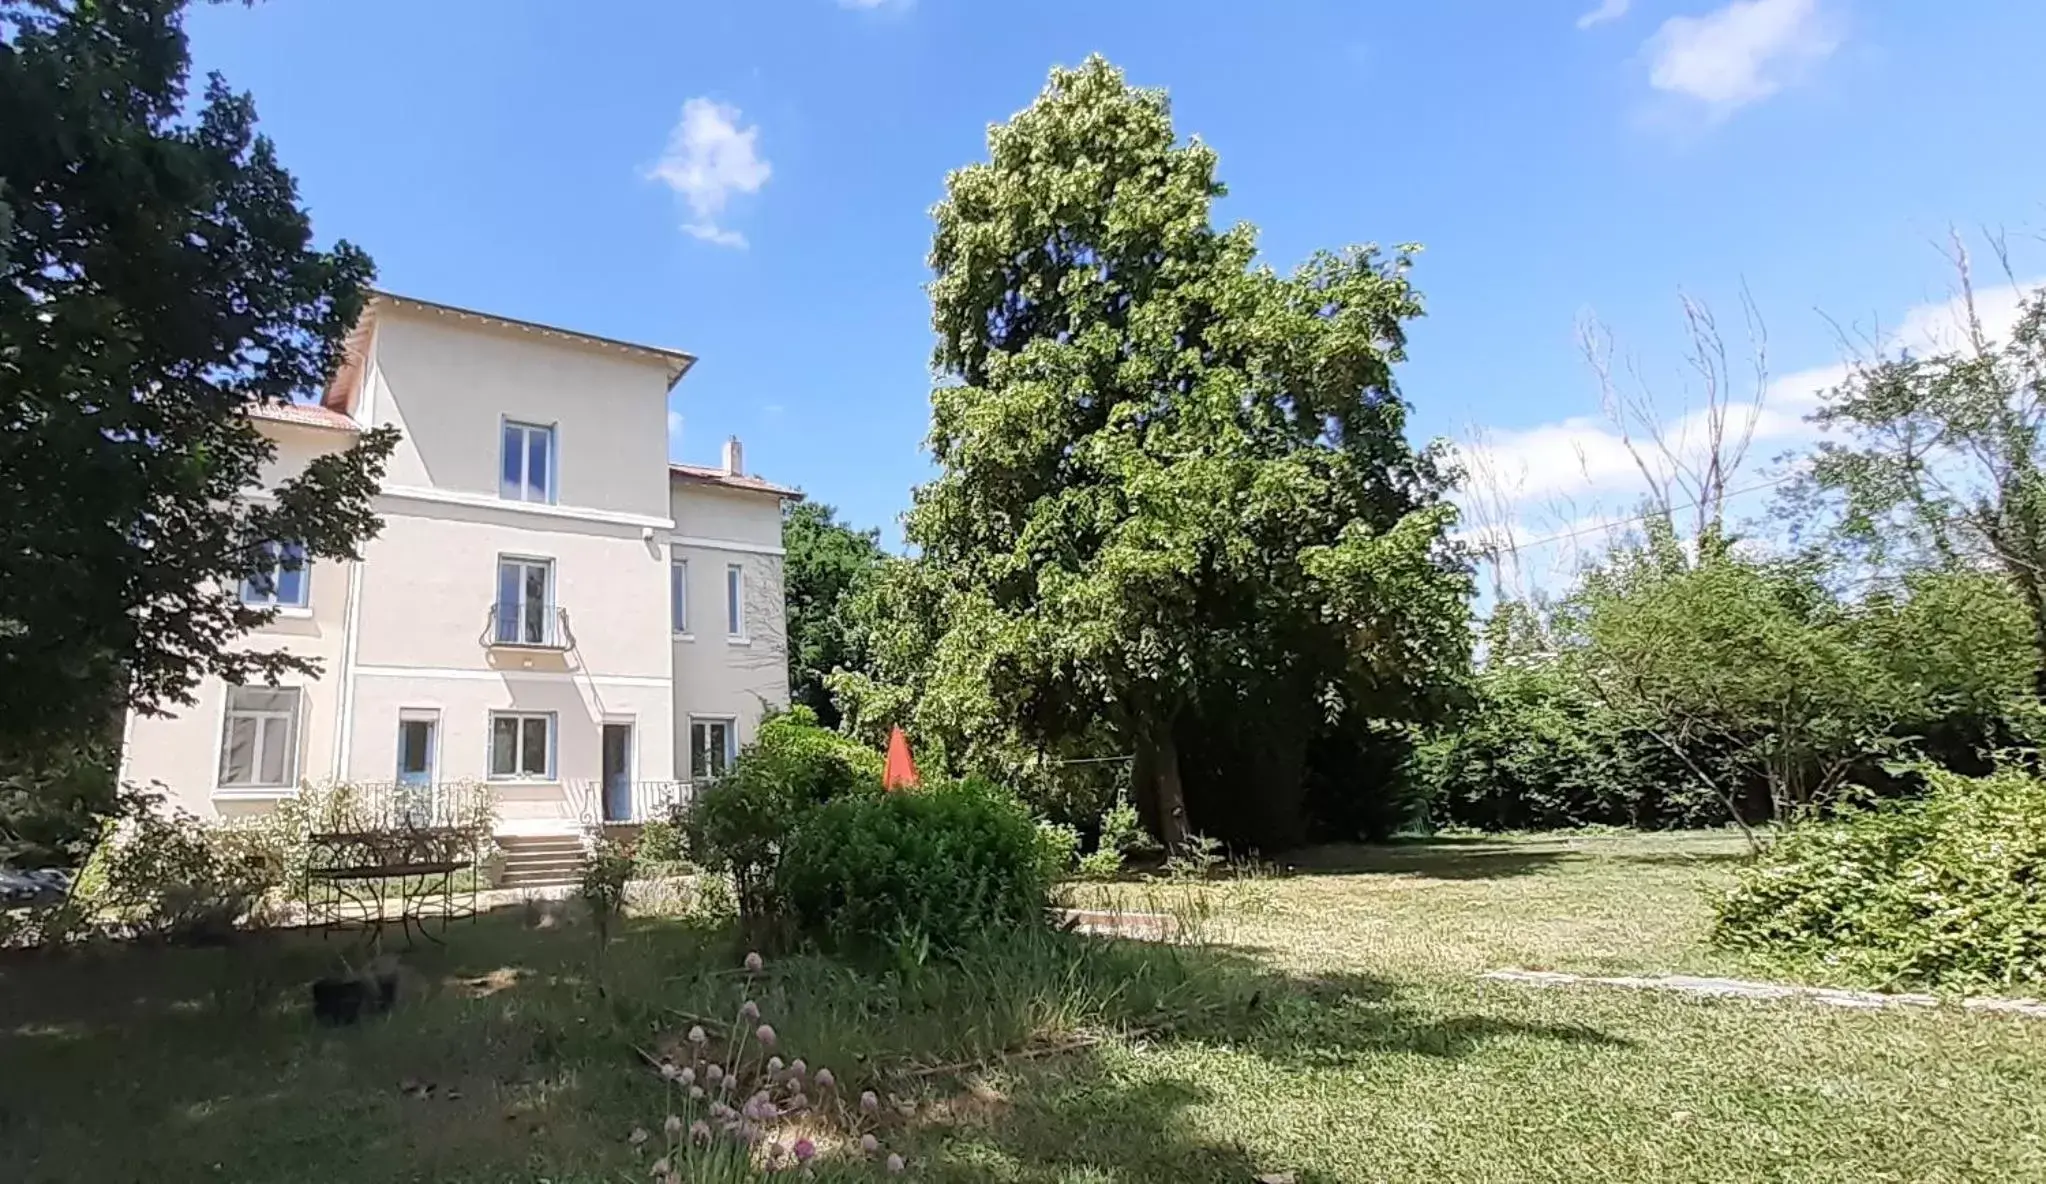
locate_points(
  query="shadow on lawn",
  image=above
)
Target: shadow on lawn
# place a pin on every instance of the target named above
(161, 1064)
(1436, 859)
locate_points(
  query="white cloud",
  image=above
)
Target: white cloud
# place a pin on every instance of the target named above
(1575, 476)
(1607, 10)
(674, 432)
(709, 159)
(1739, 54)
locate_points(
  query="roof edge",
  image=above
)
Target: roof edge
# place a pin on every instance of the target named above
(678, 361)
(737, 483)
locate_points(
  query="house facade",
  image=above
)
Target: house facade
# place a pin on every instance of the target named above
(552, 608)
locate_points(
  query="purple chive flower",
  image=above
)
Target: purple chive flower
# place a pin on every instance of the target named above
(696, 1093)
(797, 1068)
(696, 1035)
(774, 1064)
(765, 1034)
(753, 963)
(660, 1167)
(804, 1149)
(825, 1080)
(637, 1136)
(869, 1144)
(868, 1102)
(686, 1076)
(673, 1126)
(713, 1073)
(749, 1010)
(699, 1131)
(895, 1165)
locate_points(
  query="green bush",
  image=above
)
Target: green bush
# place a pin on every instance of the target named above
(1058, 849)
(931, 869)
(738, 825)
(162, 874)
(1949, 890)
(661, 845)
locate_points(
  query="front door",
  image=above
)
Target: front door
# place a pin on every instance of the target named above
(618, 772)
(416, 744)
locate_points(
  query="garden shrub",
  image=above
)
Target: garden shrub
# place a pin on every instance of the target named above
(661, 845)
(738, 825)
(1058, 849)
(162, 874)
(931, 869)
(1949, 890)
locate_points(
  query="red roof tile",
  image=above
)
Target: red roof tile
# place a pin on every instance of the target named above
(311, 415)
(711, 475)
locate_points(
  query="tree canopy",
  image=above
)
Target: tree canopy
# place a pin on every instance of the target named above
(1172, 481)
(823, 559)
(158, 279)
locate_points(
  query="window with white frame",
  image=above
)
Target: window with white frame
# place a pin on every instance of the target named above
(521, 746)
(527, 474)
(525, 601)
(283, 580)
(713, 746)
(678, 595)
(259, 738)
(735, 600)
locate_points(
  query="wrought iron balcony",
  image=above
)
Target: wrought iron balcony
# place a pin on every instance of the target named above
(527, 625)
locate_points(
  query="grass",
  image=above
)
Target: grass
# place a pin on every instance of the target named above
(1331, 1026)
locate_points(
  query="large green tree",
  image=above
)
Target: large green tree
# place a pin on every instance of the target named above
(823, 559)
(1174, 485)
(157, 280)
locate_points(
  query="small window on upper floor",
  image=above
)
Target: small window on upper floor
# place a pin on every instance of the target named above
(527, 473)
(735, 602)
(282, 582)
(678, 596)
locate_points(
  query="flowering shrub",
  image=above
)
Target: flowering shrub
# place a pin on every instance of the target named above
(737, 1107)
(933, 868)
(1948, 890)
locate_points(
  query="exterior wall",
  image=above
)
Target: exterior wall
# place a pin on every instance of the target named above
(181, 749)
(716, 676)
(406, 630)
(449, 382)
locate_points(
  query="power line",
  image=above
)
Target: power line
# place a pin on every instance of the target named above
(1638, 518)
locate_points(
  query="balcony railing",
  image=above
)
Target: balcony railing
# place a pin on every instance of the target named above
(626, 802)
(527, 625)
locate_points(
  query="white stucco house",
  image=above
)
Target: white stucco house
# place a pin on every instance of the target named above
(552, 607)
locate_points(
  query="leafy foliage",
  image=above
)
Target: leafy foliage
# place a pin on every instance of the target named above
(823, 560)
(601, 887)
(934, 869)
(739, 826)
(161, 874)
(158, 281)
(1937, 460)
(1171, 482)
(1949, 890)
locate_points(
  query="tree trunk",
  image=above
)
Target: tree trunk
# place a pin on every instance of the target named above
(1158, 758)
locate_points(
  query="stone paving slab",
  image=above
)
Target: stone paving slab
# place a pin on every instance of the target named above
(1735, 988)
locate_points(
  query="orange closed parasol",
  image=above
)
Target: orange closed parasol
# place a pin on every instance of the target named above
(900, 772)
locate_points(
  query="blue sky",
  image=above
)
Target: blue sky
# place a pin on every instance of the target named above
(750, 180)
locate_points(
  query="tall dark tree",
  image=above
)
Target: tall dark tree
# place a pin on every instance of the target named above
(1173, 485)
(823, 560)
(157, 281)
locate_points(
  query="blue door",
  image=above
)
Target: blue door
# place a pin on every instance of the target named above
(618, 772)
(416, 745)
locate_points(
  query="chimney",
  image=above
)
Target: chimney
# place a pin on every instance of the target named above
(735, 458)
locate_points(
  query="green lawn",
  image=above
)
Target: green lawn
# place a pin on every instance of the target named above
(1330, 1026)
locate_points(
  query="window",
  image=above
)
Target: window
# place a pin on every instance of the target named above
(713, 746)
(416, 736)
(521, 747)
(259, 740)
(735, 601)
(524, 601)
(528, 472)
(678, 595)
(283, 582)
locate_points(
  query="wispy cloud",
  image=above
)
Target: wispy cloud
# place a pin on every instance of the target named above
(674, 432)
(1607, 10)
(1571, 483)
(1739, 54)
(709, 158)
